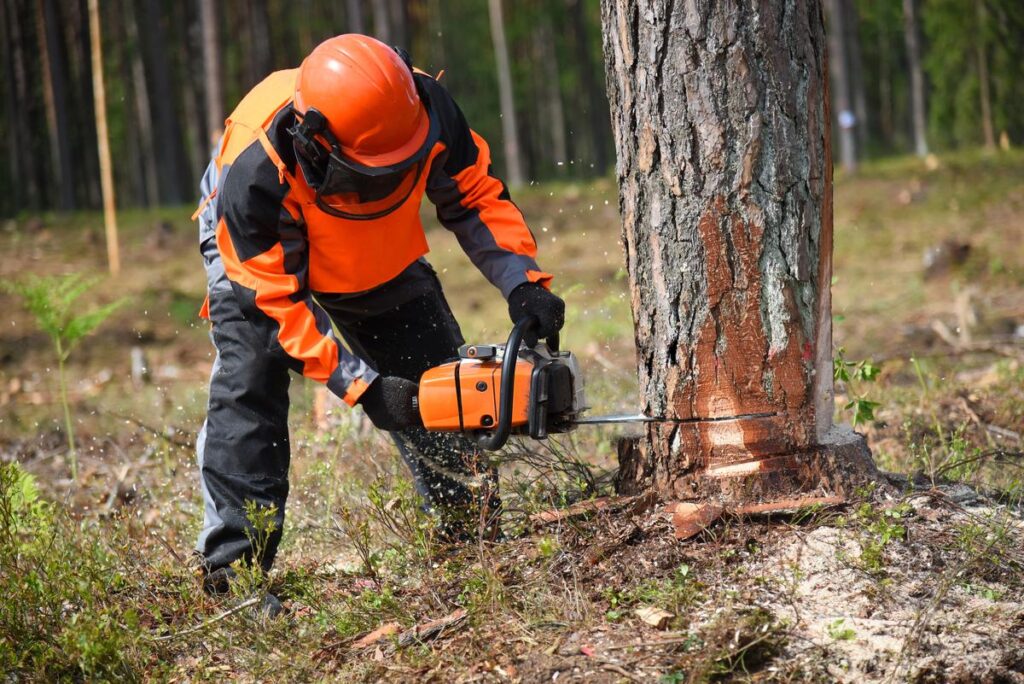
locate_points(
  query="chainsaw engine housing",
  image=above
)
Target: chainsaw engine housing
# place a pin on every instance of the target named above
(464, 395)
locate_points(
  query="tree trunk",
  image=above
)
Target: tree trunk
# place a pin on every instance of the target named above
(885, 105)
(77, 38)
(984, 91)
(720, 114)
(381, 20)
(399, 23)
(11, 202)
(554, 113)
(855, 72)
(912, 36)
(167, 139)
(510, 131)
(212, 70)
(56, 98)
(28, 168)
(845, 118)
(103, 139)
(261, 59)
(143, 113)
(354, 15)
(596, 109)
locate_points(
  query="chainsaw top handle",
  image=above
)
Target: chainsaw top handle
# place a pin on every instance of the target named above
(503, 429)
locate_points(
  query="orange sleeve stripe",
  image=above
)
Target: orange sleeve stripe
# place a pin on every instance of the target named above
(297, 331)
(354, 391)
(480, 190)
(540, 277)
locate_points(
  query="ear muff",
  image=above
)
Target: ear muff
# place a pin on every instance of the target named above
(404, 54)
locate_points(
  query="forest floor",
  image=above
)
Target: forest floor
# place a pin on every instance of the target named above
(918, 579)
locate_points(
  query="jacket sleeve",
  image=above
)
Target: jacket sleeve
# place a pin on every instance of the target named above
(475, 205)
(265, 254)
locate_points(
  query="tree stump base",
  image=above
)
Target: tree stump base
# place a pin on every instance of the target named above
(830, 472)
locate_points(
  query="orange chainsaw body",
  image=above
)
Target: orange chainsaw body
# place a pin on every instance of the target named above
(463, 395)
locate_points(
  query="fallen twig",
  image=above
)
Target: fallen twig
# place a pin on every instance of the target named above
(200, 627)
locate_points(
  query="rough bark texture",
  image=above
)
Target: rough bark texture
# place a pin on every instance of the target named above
(721, 127)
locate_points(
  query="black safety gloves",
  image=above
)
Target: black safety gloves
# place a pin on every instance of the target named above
(533, 299)
(390, 403)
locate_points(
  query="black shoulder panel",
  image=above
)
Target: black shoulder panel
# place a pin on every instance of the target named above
(455, 134)
(250, 202)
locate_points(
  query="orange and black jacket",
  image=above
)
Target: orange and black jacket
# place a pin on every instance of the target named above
(278, 248)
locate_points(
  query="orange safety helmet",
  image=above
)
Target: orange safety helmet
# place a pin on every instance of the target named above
(366, 92)
(362, 123)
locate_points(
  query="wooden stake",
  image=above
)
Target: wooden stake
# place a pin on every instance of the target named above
(103, 140)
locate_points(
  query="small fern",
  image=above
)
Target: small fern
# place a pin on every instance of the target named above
(52, 302)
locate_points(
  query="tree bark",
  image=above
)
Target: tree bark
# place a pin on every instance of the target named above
(845, 118)
(912, 37)
(510, 131)
(55, 96)
(212, 70)
(720, 115)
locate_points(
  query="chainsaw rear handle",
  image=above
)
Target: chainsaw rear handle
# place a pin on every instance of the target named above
(496, 439)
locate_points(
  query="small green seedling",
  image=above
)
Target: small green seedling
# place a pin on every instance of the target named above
(855, 374)
(839, 632)
(51, 301)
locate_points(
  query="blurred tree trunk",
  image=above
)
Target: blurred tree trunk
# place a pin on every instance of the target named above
(838, 61)
(212, 70)
(77, 38)
(103, 139)
(354, 15)
(554, 113)
(261, 59)
(168, 141)
(187, 51)
(55, 95)
(912, 36)
(855, 70)
(984, 90)
(12, 201)
(593, 104)
(885, 103)
(381, 20)
(143, 113)
(27, 167)
(510, 131)
(399, 23)
(435, 25)
(721, 121)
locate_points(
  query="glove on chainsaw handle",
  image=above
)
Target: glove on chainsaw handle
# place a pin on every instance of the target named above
(533, 299)
(390, 403)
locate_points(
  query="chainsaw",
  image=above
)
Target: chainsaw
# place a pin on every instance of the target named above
(493, 391)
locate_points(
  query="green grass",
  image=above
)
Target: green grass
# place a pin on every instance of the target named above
(98, 581)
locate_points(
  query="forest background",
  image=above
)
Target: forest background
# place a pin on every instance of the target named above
(174, 70)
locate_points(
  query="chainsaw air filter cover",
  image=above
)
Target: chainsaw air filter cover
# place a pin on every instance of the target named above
(464, 395)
